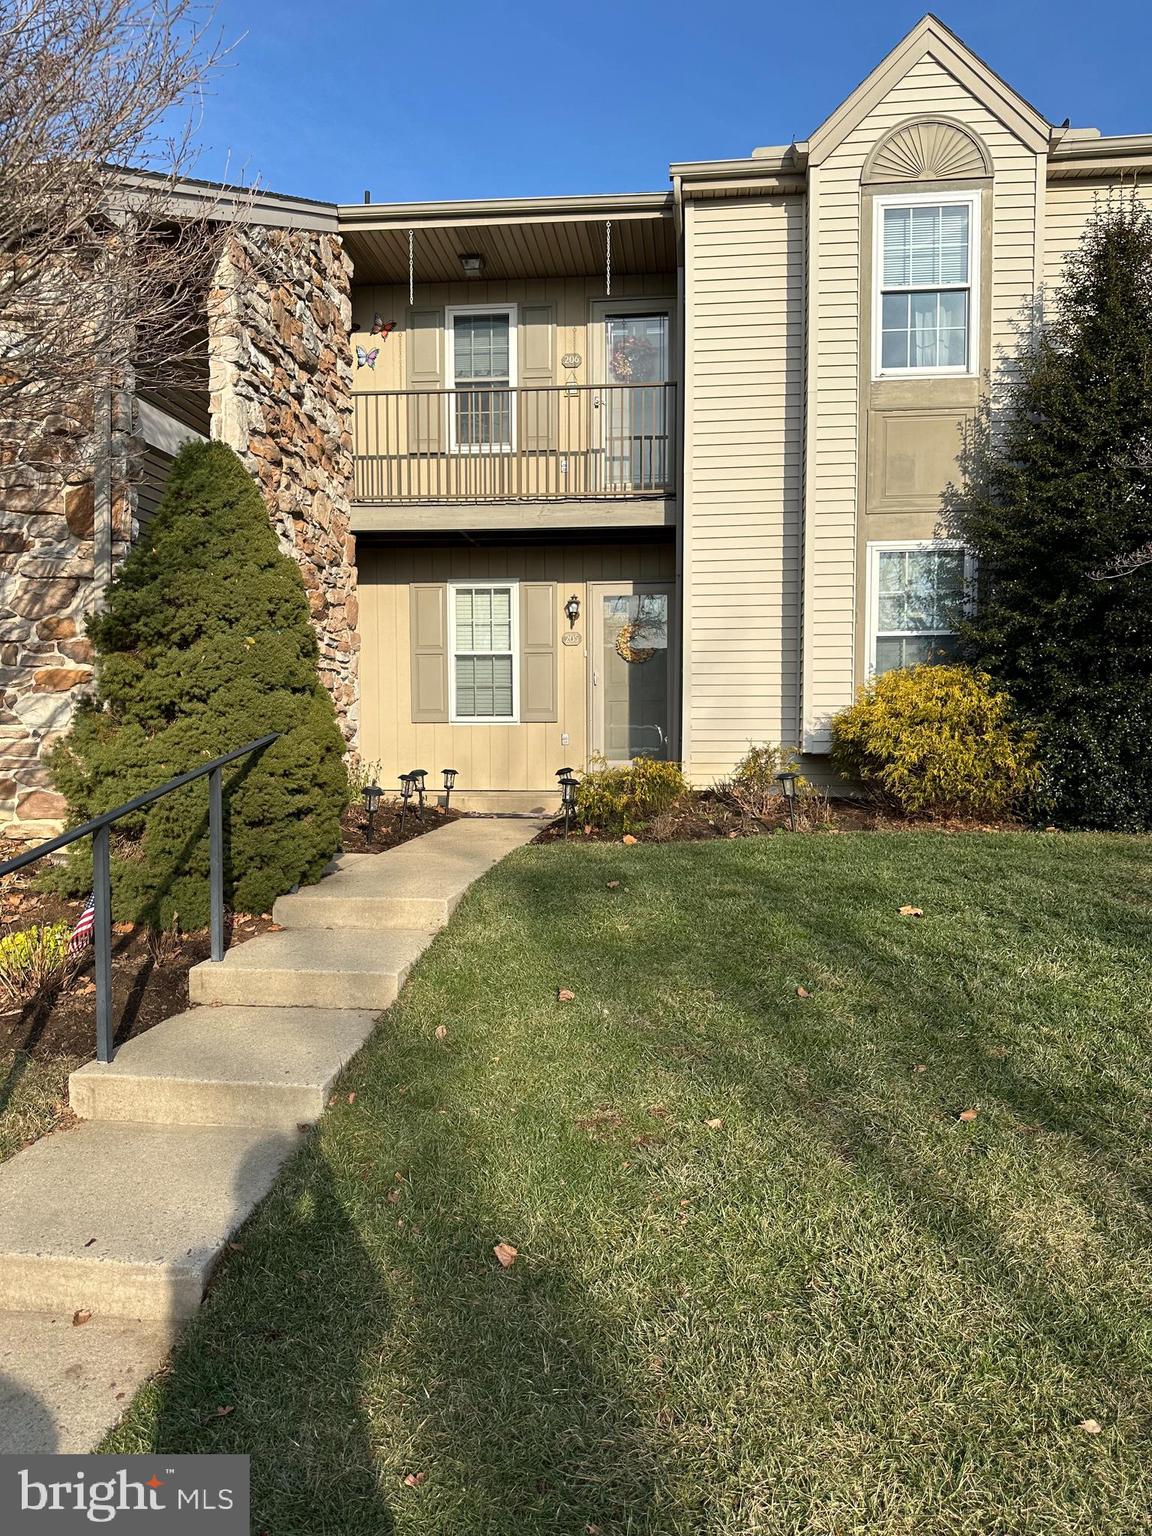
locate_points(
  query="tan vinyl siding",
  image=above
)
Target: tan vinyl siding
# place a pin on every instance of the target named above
(1069, 206)
(519, 757)
(744, 358)
(836, 320)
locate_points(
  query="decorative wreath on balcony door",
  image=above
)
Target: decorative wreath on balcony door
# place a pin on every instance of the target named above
(627, 650)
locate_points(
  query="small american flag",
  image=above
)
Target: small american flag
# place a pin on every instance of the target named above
(82, 933)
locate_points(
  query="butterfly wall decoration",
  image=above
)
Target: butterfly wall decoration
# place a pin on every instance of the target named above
(382, 329)
(365, 359)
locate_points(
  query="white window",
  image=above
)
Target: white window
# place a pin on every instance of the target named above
(917, 597)
(925, 261)
(483, 649)
(481, 353)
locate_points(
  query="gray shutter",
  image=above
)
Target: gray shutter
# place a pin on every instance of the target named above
(429, 605)
(537, 650)
(425, 371)
(538, 411)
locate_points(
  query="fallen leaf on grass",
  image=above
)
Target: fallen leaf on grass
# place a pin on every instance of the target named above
(441, 1031)
(911, 911)
(1090, 1426)
(593, 1530)
(236, 1247)
(81, 1316)
(415, 1479)
(506, 1254)
(967, 1115)
(224, 1410)
(392, 1196)
(714, 1125)
(919, 1067)
(613, 885)
(803, 992)
(628, 838)
(352, 1097)
(565, 995)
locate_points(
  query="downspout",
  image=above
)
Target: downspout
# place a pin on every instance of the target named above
(682, 731)
(102, 493)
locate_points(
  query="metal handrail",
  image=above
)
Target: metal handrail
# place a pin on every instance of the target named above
(97, 829)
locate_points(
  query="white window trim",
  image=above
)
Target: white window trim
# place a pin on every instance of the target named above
(491, 582)
(450, 314)
(875, 547)
(936, 200)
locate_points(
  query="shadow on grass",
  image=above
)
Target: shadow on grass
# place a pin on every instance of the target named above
(366, 1333)
(504, 1414)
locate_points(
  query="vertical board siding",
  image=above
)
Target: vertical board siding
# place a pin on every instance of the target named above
(836, 317)
(567, 297)
(523, 757)
(743, 477)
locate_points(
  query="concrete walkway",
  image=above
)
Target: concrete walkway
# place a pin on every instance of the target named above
(184, 1132)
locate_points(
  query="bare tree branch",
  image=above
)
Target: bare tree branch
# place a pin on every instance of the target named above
(1125, 565)
(100, 282)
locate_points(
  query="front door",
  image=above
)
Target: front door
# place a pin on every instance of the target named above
(631, 628)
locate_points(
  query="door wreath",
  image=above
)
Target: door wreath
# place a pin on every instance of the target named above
(627, 649)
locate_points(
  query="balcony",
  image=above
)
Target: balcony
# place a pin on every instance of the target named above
(560, 443)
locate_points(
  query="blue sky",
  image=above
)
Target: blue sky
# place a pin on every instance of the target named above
(454, 98)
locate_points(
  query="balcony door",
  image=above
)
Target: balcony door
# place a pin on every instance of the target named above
(630, 626)
(634, 401)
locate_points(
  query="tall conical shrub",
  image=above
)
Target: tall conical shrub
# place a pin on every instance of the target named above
(1056, 501)
(206, 644)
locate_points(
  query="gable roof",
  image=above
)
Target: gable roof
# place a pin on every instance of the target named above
(931, 37)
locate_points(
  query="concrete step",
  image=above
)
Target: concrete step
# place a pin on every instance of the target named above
(306, 968)
(414, 886)
(127, 1220)
(62, 1388)
(225, 1066)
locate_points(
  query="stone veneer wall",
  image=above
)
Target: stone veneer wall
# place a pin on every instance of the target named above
(280, 379)
(280, 317)
(48, 586)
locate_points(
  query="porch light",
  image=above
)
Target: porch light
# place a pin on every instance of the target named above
(473, 265)
(572, 609)
(787, 783)
(372, 793)
(449, 781)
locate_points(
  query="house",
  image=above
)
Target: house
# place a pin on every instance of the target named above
(565, 476)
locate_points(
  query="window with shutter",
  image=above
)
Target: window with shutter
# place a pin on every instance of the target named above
(925, 274)
(483, 652)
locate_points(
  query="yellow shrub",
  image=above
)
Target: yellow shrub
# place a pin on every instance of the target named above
(622, 799)
(33, 959)
(936, 741)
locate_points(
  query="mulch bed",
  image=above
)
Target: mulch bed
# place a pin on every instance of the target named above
(149, 975)
(705, 817)
(386, 826)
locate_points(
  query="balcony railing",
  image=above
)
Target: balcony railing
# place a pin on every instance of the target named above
(491, 443)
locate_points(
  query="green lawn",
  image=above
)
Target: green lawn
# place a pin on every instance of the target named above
(841, 1310)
